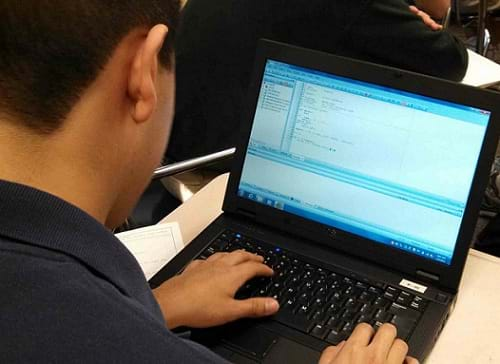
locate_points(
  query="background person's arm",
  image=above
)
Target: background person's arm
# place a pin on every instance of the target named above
(435, 8)
(389, 33)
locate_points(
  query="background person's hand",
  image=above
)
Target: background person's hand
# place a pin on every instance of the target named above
(426, 18)
(363, 347)
(203, 295)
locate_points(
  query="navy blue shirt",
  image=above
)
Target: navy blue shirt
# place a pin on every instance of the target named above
(71, 292)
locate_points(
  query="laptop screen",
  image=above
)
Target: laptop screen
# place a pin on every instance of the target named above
(384, 164)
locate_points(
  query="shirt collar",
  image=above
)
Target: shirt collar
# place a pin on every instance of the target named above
(38, 218)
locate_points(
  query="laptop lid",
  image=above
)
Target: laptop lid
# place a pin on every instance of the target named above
(381, 163)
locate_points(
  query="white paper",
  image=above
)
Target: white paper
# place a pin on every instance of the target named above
(153, 246)
(481, 71)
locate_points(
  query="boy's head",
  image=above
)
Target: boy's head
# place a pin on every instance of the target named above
(92, 80)
(51, 50)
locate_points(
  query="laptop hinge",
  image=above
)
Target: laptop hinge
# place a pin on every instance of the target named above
(427, 276)
(246, 213)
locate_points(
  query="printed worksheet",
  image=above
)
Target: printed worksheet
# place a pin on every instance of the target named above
(153, 246)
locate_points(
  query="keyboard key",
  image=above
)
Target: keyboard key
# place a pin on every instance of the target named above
(334, 337)
(289, 304)
(347, 329)
(348, 280)
(382, 315)
(404, 298)
(404, 312)
(262, 292)
(366, 297)
(392, 290)
(308, 267)
(375, 290)
(365, 308)
(245, 291)
(322, 291)
(381, 302)
(318, 316)
(304, 310)
(351, 302)
(404, 319)
(290, 292)
(363, 318)
(348, 315)
(418, 304)
(219, 244)
(293, 281)
(305, 298)
(390, 296)
(361, 285)
(319, 331)
(376, 325)
(276, 286)
(334, 322)
(406, 295)
(333, 308)
(298, 322)
(391, 293)
(337, 297)
(308, 285)
(318, 302)
(334, 278)
(404, 327)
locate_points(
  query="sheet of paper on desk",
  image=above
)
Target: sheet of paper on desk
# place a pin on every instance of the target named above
(153, 246)
(481, 71)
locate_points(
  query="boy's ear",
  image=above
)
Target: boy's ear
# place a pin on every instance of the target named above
(143, 73)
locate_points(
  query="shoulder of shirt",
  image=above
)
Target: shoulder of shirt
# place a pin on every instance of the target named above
(55, 309)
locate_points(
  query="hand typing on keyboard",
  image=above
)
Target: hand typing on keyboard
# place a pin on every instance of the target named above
(329, 303)
(363, 347)
(203, 295)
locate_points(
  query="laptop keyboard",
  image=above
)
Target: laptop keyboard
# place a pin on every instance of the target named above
(321, 302)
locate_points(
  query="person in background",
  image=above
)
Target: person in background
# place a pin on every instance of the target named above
(217, 43)
(86, 106)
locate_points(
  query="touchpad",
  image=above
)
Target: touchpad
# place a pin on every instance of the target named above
(290, 352)
(254, 341)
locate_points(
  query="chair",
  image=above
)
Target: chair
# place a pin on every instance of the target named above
(476, 11)
(445, 22)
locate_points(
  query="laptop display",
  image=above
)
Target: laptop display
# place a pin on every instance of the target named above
(387, 165)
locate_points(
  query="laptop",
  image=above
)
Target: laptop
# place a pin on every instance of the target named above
(360, 185)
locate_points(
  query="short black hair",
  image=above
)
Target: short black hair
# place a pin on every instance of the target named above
(52, 50)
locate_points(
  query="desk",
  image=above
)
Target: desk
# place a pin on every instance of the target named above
(481, 71)
(471, 334)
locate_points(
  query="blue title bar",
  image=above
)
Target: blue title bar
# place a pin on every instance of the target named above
(385, 94)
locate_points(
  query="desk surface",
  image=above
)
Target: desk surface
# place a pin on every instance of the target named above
(471, 334)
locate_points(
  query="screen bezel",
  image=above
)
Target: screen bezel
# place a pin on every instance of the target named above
(410, 264)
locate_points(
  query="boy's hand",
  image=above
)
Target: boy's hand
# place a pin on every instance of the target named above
(203, 295)
(363, 347)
